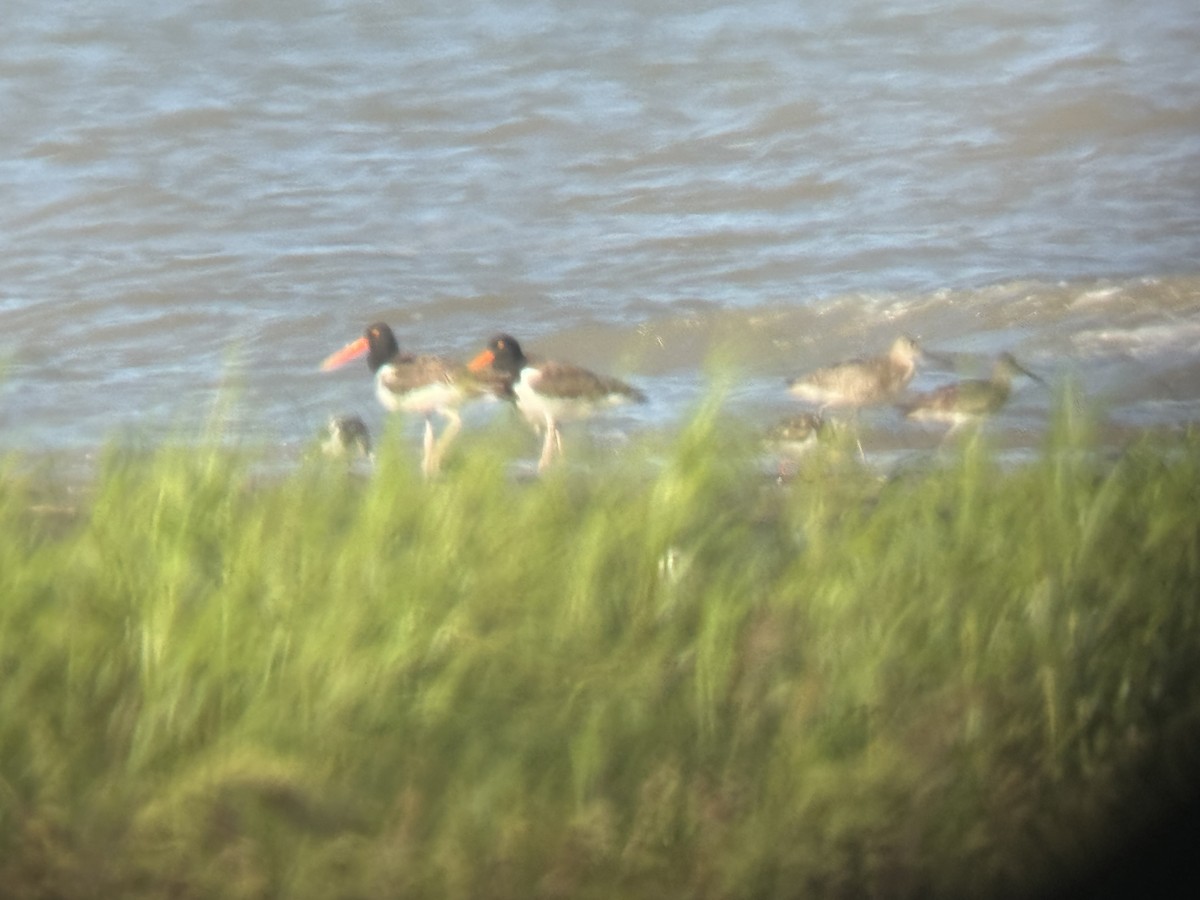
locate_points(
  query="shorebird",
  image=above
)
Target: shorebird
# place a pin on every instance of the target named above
(796, 434)
(793, 437)
(968, 401)
(860, 382)
(418, 384)
(346, 436)
(549, 392)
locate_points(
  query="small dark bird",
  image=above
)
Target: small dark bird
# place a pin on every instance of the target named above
(796, 434)
(346, 436)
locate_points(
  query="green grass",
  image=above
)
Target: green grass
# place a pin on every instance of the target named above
(956, 681)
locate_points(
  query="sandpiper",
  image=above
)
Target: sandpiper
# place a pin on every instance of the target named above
(793, 437)
(346, 436)
(971, 400)
(856, 383)
(860, 382)
(796, 434)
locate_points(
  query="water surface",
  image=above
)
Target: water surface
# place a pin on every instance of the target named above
(195, 195)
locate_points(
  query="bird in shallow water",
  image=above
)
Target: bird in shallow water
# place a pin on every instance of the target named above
(426, 385)
(346, 436)
(548, 392)
(857, 383)
(860, 382)
(792, 438)
(968, 401)
(796, 434)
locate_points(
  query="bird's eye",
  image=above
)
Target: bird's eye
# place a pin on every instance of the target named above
(499, 345)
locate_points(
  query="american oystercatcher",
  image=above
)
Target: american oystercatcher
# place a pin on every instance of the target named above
(968, 401)
(548, 392)
(417, 384)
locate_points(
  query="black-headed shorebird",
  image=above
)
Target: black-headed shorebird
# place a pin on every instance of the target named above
(856, 383)
(417, 384)
(547, 392)
(968, 401)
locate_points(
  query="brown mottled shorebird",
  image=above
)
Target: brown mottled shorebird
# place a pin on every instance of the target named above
(968, 401)
(860, 382)
(547, 393)
(419, 384)
(346, 436)
(793, 437)
(796, 434)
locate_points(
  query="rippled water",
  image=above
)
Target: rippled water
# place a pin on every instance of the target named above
(194, 194)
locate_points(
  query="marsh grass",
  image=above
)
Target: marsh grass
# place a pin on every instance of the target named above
(663, 675)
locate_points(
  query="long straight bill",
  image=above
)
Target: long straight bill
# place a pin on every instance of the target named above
(353, 350)
(482, 361)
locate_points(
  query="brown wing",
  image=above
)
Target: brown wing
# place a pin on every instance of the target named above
(935, 402)
(854, 381)
(410, 372)
(843, 376)
(572, 382)
(961, 399)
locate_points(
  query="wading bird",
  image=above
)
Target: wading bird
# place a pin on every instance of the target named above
(857, 383)
(968, 401)
(424, 385)
(547, 392)
(792, 438)
(860, 382)
(346, 436)
(796, 434)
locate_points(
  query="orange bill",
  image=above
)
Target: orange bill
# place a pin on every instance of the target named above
(353, 350)
(482, 361)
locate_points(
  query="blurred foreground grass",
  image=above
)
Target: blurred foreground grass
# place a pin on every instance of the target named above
(667, 678)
